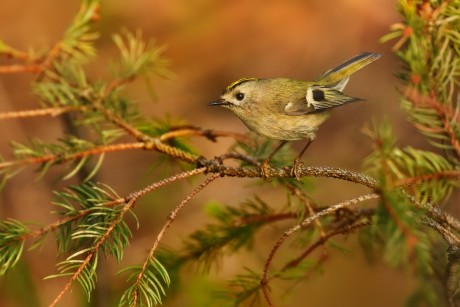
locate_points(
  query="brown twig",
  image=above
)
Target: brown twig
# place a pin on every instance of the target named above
(449, 174)
(130, 201)
(266, 218)
(322, 240)
(169, 221)
(304, 223)
(411, 239)
(306, 201)
(208, 133)
(135, 195)
(18, 68)
(93, 252)
(239, 156)
(213, 166)
(10, 52)
(446, 114)
(53, 226)
(40, 65)
(66, 157)
(40, 112)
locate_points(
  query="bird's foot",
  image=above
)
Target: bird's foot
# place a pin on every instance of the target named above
(297, 169)
(264, 168)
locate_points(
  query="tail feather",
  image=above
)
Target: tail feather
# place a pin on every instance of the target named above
(347, 68)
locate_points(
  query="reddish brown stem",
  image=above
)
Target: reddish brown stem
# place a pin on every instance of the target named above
(39, 112)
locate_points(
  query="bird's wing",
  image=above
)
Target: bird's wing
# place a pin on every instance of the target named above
(318, 98)
(326, 92)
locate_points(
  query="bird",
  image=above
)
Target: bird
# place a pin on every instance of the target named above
(290, 110)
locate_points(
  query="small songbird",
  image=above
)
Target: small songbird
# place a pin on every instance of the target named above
(290, 110)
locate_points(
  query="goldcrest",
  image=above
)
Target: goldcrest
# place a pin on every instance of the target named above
(290, 110)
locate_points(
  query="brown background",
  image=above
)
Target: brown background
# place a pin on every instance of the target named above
(210, 44)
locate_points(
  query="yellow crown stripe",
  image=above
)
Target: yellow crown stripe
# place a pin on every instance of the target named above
(238, 82)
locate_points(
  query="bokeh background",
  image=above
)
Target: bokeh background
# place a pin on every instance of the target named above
(210, 44)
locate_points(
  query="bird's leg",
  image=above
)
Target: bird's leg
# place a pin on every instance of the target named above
(297, 163)
(265, 166)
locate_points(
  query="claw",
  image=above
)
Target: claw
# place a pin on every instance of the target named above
(264, 169)
(297, 169)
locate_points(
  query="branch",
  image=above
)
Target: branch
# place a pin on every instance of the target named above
(91, 14)
(40, 112)
(135, 195)
(19, 68)
(448, 174)
(130, 201)
(210, 134)
(322, 240)
(213, 166)
(304, 223)
(93, 251)
(66, 157)
(169, 221)
(446, 116)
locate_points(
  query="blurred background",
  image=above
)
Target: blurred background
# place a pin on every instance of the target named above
(211, 44)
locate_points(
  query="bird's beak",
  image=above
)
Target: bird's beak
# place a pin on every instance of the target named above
(220, 102)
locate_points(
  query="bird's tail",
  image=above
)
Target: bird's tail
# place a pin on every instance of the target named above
(338, 76)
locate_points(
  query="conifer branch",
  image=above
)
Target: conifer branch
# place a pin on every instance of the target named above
(448, 174)
(20, 68)
(173, 214)
(302, 224)
(94, 250)
(323, 239)
(134, 195)
(40, 112)
(129, 203)
(88, 12)
(61, 158)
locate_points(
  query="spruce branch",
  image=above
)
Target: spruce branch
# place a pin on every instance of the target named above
(61, 158)
(234, 229)
(140, 292)
(323, 240)
(39, 112)
(12, 53)
(91, 256)
(11, 245)
(111, 203)
(20, 68)
(453, 265)
(302, 224)
(76, 43)
(85, 269)
(173, 214)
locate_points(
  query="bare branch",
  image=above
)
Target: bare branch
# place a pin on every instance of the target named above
(304, 223)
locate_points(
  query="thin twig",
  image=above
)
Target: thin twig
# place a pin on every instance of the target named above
(40, 112)
(208, 133)
(135, 195)
(130, 201)
(18, 68)
(169, 221)
(322, 240)
(266, 218)
(447, 174)
(301, 195)
(93, 251)
(304, 223)
(66, 157)
(446, 115)
(410, 238)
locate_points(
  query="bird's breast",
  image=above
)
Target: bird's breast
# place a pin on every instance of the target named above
(280, 126)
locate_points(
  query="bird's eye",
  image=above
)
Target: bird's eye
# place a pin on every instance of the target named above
(239, 96)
